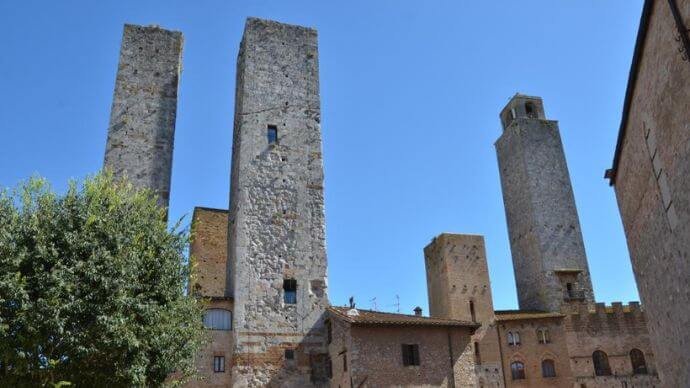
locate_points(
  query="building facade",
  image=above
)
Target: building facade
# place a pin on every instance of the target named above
(650, 176)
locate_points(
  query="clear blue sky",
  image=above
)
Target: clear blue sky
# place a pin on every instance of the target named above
(410, 91)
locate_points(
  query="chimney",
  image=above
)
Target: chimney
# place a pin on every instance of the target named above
(418, 311)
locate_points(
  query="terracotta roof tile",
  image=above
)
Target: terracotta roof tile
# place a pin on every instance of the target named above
(369, 317)
(512, 315)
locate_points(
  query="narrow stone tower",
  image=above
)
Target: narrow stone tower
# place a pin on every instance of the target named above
(276, 239)
(458, 285)
(545, 238)
(142, 118)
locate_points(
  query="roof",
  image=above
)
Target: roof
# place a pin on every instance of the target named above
(630, 90)
(369, 317)
(514, 315)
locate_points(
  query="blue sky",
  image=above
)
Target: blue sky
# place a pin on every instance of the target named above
(410, 102)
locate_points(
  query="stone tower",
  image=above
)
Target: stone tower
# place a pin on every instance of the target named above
(142, 118)
(545, 238)
(276, 239)
(459, 288)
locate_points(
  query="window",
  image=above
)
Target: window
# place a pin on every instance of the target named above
(219, 364)
(513, 338)
(472, 314)
(329, 367)
(345, 362)
(569, 289)
(329, 332)
(477, 355)
(517, 370)
(529, 109)
(218, 319)
(548, 368)
(289, 354)
(272, 134)
(410, 354)
(639, 366)
(543, 335)
(601, 363)
(290, 291)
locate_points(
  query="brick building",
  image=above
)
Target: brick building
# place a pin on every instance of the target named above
(261, 265)
(650, 177)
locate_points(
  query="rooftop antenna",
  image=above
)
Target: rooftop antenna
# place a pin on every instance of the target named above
(397, 303)
(373, 302)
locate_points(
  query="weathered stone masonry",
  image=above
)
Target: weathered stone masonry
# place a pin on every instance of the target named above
(277, 228)
(543, 226)
(142, 118)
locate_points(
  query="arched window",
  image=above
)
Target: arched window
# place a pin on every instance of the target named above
(601, 363)
(543, 335)
(548, 368)
(639, 366)
(513, 338)
(218, 319)
(517, 370)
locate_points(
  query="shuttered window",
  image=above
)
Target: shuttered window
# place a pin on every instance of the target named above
(410, 354)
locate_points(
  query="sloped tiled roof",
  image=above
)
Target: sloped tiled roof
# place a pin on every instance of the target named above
(369, 317)
(512, 315)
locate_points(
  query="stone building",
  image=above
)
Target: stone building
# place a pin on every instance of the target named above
(261, 265)
(142, 117)
(650, 174)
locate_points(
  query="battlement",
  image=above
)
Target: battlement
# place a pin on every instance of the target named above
(601, 309)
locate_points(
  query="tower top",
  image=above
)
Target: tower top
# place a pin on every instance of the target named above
(522, 106)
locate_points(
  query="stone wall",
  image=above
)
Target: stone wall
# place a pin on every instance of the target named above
(277, 228)
(531, 353)
(459, 288)
(652, 185)
(142, 118)
(377, 357)
(615, 330)
(543, 224)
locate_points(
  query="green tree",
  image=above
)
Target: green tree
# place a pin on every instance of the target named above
(92, 288)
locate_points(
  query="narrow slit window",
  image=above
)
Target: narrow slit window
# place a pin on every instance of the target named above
(290, 291)
(472, 313)
(272, 134)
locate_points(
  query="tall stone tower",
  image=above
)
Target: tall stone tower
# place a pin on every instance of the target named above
(458, 285)
(545, 238)
(276, 239)
(142, 118)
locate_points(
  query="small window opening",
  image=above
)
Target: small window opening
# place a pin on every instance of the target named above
(345, 362)
(472, 313)
(290, 291)
(410, 354)
(639, 365)
(601, 363)
(543, 336)
(477, 355)
(272, 134)
(569, 289)
(529, 109)
(517, 370)
(219, 364)
(548, 368)
(329, 332)
(289, 354)
(513, 338)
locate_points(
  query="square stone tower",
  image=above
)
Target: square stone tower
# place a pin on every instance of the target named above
(142, 118)
(545, 238)
(276, 239)
(459, 288)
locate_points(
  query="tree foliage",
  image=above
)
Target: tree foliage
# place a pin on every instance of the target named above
(92, 288)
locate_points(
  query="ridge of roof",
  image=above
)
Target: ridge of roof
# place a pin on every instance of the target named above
(370, 317)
